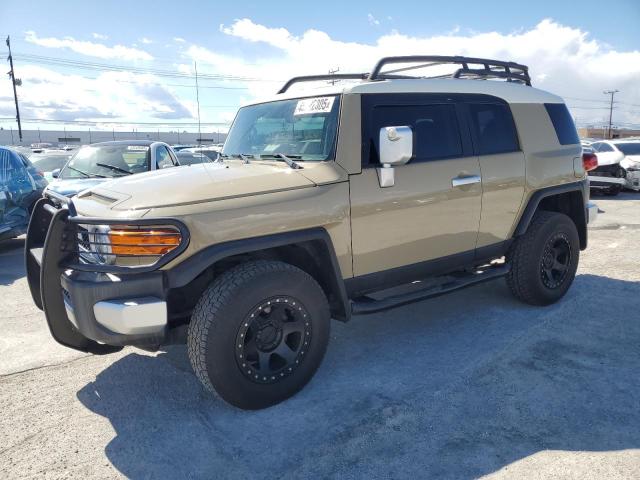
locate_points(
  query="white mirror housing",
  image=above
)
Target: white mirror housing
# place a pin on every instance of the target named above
(396, 145)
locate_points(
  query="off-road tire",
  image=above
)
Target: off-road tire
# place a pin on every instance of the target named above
(222, 312)
(526, 278)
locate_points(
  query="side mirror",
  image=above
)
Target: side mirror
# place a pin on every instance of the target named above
(55, 173)
(396, 148)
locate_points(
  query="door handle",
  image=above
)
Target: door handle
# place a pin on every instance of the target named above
(460, 181)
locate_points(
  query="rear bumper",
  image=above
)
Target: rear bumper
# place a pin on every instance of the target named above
(592, 212)
(605, 182)
(90, 311)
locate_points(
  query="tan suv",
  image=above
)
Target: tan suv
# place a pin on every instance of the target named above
(323, 199)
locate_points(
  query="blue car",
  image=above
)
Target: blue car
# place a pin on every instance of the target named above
(100, 162)
(21, 184)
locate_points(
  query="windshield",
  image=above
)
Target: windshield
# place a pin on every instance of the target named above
(47, 163)
(305, 128)
(629, 148)
(107, 161)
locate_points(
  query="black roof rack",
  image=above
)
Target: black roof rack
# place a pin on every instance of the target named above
(510, 71)
(328, 76)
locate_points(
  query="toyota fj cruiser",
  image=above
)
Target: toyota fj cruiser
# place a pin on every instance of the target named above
(323, 199)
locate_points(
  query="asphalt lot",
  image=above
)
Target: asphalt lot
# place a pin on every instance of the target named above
(468, 385)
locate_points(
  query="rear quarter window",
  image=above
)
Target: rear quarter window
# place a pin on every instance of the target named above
(494, 129)
(562, 123)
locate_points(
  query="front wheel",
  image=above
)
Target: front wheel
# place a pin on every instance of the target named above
(258, 333)
(544, 260)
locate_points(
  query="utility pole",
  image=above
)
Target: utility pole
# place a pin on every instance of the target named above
(612, 93)
(195, 67)
(15, 81)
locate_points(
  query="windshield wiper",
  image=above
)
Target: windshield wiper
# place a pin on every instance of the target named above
(88, 175)
(288, 159)
(114, 168)
(242, 156)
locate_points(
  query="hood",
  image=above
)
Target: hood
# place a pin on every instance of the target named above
(631, 161)
(207, 182)
(73, 186)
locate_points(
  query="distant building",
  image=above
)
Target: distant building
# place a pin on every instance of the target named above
(602, 132)
(76, 137)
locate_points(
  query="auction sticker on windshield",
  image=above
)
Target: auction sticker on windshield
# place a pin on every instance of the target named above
(309, 106)
(138, 148)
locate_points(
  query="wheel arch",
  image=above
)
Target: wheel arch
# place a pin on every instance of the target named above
(568, 198)
(310, 250)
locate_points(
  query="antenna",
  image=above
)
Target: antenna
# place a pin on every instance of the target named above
(195, 67)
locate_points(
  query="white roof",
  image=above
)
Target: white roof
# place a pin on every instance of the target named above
(510, 91)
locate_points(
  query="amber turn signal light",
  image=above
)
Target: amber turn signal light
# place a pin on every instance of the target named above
(151, 241)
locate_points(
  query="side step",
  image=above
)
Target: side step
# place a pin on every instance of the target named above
(366, 305)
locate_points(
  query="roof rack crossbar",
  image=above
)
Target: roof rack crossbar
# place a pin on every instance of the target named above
(329, 76)
(510, 71)
(506, 71)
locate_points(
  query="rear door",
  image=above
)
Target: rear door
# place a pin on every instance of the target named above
(428, 214)
(502, 164)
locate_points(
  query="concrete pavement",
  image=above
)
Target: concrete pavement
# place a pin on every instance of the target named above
(468, 385)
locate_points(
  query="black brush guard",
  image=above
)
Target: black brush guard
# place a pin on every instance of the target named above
(55, 274)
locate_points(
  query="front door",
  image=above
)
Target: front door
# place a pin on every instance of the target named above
(433, 209)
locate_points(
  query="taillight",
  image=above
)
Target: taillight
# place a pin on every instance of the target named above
(589, 161)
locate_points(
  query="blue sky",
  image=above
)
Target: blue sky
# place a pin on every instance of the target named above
(573, 48)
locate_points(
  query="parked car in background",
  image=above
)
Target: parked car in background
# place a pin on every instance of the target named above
(49, 161)
(609, 176)
(20, 187)
(191, 158)
(99, 162)
(630, 162)
(212, 152)
(177, 148)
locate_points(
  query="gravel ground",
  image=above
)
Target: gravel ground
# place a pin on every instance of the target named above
(468, 385)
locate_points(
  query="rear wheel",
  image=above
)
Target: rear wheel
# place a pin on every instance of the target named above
(258, 333)
(544, 260)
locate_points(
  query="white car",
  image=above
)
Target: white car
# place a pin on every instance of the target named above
(631, 161)
(609, 176)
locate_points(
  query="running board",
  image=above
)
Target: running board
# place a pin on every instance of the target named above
(365, 305)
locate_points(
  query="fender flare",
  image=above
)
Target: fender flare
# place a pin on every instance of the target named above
(186, 271)
(532, 206)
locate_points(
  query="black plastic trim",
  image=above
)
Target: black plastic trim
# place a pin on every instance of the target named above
(186, 271)
(581, 186)
(367, 305)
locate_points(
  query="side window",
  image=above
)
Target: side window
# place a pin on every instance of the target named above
(563, 123)
(494, 129)
(436, 134)
(163, 159)
(605, 147)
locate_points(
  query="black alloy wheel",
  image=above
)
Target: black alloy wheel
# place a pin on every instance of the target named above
(556, 261)
(272, 339)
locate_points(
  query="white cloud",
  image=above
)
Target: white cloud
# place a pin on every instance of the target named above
(564, 60)
(179, 40)
(372, 20)
(91, 49)
(99, 36)
(146, 40)
(117, 96)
